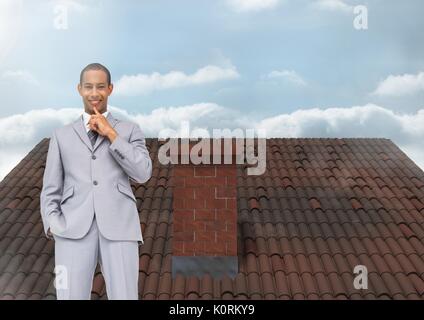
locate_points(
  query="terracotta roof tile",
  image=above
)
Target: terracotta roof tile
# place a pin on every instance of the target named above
(393, 263)
(295, 284)
(406, 264)
(322, 207)
(316, 264)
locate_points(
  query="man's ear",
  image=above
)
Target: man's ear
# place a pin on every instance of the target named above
(79, 88)
(110, 88)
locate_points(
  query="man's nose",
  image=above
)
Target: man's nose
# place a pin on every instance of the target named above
(94, 93)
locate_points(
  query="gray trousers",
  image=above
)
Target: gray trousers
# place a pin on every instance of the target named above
(76, 261)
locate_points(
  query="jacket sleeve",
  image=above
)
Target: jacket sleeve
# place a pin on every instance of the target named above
(133, 155)
(52, 189)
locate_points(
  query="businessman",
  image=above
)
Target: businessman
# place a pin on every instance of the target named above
(86, 203)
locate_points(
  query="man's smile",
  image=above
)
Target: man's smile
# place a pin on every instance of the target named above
(94, 103)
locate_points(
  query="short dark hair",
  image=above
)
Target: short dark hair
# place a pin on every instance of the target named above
(96, 66)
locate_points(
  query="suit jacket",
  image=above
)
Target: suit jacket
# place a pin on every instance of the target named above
(81, 180)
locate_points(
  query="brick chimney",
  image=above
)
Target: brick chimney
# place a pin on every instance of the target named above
(205, 212)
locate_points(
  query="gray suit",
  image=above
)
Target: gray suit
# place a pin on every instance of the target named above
(85, 185)
(80, 179)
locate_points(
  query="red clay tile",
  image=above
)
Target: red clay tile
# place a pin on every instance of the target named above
(268, 284)
(253, 284)
(418, 283)
(341, 264)
(295, 284)
(192, 287)
(316, 264)
(304, 241)
(323, 286)
(405, 283)
(240, 285)
(406, 264)
(328, 263)
(303, 264)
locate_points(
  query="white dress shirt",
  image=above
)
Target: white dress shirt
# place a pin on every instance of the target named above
(87, 117)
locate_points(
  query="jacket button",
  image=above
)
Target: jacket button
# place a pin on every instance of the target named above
(95, 182)
(93, 157)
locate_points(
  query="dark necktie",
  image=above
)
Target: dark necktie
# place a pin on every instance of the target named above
(93, 136)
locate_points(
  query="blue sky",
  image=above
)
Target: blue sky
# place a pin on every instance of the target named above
(297, 68)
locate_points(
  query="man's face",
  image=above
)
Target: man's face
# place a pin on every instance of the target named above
(94, 90)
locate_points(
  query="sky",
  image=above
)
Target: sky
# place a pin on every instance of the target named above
(297, 68)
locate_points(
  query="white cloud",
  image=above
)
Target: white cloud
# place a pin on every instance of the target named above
(20, 75)
(358, 121)
(333, 5)
(144, 83)
(21, 132)
(252, 5)
(373, 121)
(201, 115)
(287, 75)
(401, 85)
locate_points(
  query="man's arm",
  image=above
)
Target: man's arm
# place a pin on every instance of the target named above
(132, 156)
(51, 192)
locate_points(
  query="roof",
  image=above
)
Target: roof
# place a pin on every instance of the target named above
(322, 207)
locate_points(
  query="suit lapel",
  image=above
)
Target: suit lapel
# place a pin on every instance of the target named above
(100, 138)
(79, 128)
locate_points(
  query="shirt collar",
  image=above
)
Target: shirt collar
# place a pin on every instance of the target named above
(86, 118)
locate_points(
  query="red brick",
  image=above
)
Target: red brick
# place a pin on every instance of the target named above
(216, 249)
(194, 203)
(183, 215)
(217, 225)
(200, 253)
(231, 226)
(226, 236)
(204, 214)
(231, 248)
(178, 203)
(183, 236)
(204, 171)
(205, 193)
(194, 182)
(183, 171)
(228, 215)
(232, 204)
(226, 171)
(194, 226)
(215, 181)
(225, 192)
(194, 247)
(232, 181)
(177, 248)
(187, 253)
(188, 225)
(178, 225)
(179, 181)
(204, 236)
(183, 192)
(216, 204)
